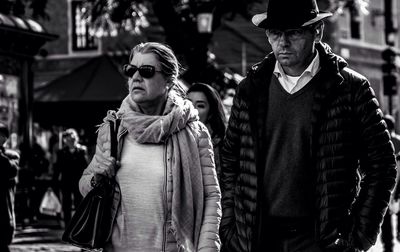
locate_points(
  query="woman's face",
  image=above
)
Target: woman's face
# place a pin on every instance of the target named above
(200, 102)
(69, 141)
(150, 91)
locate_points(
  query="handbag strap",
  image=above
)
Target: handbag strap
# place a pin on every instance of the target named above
(114, 125)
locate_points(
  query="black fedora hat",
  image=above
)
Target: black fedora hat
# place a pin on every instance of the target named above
(289, 14)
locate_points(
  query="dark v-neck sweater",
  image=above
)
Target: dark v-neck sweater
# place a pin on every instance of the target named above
(288, 183)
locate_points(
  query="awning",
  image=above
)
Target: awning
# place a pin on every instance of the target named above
(21, 23)
(22, 36)
(82, 97)
(98, 80)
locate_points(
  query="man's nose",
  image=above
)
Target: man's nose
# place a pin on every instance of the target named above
(284, 39)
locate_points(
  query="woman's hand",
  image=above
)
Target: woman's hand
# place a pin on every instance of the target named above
(106, 166)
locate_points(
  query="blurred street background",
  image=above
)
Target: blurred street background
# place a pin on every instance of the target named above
(61, 67)
(46, 236)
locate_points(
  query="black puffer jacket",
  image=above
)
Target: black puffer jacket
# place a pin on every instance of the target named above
(348, 139)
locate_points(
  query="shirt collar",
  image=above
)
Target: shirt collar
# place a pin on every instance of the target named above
(312, 68)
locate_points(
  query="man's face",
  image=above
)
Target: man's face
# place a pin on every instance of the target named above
(294, 48)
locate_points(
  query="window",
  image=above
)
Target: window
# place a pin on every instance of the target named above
(350, 23)
(81, 39)
(355, 23)
(343, 25)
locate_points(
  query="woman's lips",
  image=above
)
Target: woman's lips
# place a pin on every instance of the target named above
(137, 88)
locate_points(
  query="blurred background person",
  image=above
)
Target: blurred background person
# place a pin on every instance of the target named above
(71, 160)
(208, 102)
(227, 101)
(9, 161)
(169, 188)
(387, 225)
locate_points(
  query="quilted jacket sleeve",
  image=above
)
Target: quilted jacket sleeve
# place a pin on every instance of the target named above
(209, 239)
(102, 146)
(229, 171)
(377, 165)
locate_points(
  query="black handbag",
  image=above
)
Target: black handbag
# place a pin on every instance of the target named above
(92, 224)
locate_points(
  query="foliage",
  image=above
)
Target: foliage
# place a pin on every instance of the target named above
(130, 15)
(19, 8)
(108, 17)
(361, 5)
(179, 22)
(177, 17)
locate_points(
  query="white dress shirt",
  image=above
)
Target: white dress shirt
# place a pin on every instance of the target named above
(292, 84)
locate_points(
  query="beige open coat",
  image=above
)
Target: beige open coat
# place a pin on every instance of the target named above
(209, 238)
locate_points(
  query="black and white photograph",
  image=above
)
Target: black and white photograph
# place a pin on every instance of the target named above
(200, 125)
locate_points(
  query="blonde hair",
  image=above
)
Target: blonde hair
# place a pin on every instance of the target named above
(166, 57)
(71, 132)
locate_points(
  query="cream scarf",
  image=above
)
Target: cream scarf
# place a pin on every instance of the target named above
(173, 128)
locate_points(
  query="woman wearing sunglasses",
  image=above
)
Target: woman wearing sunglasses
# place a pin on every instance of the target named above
(170, 194)
(211, 112)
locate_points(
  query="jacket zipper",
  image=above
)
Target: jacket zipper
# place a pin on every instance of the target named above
(119, 137)
(165, 199)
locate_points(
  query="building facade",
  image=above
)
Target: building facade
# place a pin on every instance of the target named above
(354, 32)
(361, 40)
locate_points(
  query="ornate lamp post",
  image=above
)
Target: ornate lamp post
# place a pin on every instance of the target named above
(205, 15)
(197, 18)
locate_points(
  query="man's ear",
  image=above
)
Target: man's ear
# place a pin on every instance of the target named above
(319, 32)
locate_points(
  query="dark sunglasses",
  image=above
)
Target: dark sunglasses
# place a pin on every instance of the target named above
(292, 34)
(146, 71)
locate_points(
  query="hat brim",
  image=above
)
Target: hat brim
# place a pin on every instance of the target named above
(259, 20)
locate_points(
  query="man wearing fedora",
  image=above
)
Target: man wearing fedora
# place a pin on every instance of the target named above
(307, 162)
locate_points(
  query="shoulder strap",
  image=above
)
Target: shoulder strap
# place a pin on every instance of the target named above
(114, 125)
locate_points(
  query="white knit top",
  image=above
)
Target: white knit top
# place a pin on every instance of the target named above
(142, 178)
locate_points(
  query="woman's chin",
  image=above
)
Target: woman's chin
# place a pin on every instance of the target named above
(136, 97)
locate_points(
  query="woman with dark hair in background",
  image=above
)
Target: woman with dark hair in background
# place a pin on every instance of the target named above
(170, 194)
(208, 102)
